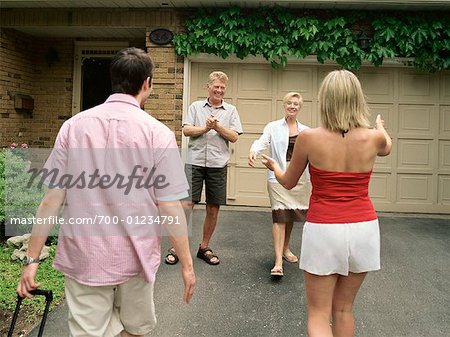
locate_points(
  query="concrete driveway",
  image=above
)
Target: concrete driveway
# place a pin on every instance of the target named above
(409, 297)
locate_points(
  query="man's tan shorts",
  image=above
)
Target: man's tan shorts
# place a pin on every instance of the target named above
(105, 311)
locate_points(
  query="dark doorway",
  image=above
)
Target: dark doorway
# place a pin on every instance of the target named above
(96, 82)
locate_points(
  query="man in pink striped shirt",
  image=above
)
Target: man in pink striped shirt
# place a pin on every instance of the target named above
(117, 171)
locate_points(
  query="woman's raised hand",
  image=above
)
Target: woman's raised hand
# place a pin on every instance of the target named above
(268, 162)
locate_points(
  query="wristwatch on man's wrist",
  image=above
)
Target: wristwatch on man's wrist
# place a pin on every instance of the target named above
(29, 260)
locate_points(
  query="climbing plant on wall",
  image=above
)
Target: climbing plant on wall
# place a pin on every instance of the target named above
(277, 34)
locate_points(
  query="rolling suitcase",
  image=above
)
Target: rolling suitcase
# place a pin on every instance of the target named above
(48, 299)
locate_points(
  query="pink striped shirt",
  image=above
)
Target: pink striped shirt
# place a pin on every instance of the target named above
(115, 162)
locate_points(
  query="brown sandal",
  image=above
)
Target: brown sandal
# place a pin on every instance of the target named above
(206, 254)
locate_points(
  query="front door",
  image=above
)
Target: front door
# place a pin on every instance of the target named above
(91, 81)
(95, 81)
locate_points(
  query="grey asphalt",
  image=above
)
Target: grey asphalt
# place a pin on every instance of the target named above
(409, 296)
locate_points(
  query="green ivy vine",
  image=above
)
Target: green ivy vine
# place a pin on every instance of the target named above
(277, 33)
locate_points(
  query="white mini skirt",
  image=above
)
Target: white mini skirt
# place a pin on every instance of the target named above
(340, 248)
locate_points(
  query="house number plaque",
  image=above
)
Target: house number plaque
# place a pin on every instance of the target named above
(161, 36)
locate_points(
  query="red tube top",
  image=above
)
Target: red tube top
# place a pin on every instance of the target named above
(339, 197)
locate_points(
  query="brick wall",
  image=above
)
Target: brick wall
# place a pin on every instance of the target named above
(16, 76)
(24, 70)
(166, 102)
(52, 91)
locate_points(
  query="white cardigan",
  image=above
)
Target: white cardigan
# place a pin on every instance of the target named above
(276, 135)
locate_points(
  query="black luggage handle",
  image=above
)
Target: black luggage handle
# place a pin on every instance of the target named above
(47, 293)
(37, 292)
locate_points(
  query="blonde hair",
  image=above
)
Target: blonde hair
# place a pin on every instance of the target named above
(217, 75)
(342, 104)
(289, 95)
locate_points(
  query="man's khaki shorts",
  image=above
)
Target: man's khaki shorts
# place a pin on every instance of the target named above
(105, 311)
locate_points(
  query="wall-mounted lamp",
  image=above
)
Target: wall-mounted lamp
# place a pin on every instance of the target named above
(363, 41)
(51, 56)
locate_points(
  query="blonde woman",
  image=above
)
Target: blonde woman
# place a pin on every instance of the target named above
(341, 240)
(287, 206)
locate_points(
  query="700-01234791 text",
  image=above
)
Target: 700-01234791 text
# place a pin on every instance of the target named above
(100, 219)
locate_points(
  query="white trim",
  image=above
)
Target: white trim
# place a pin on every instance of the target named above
(79, 48)
(186, 94)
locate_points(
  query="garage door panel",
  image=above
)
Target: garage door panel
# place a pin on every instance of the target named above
(384, 164)
(415, 189)
(415, 105)
(380, 188)
(444, 190)
(307, 116)
(254, 81)
(417, 120)
(378, 84)
(415, 154)
(417, 87)
(386, 112)
(445, 86)
(280, 109)
(444, 121)
(254, 114)
(444, 155)
(251, 186)
(245, 142)
(298, 79)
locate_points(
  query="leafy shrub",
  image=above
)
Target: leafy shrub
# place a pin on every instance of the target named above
(18, 197)
(279, 33)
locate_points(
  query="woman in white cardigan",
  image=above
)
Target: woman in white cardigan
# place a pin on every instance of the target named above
(287, 205)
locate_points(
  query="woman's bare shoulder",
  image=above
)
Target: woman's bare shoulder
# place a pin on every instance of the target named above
(307, 134)
(312, 131)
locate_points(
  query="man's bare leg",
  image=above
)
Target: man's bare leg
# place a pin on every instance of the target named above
(209, 225)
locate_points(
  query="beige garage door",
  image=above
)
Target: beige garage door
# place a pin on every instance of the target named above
(415, 106)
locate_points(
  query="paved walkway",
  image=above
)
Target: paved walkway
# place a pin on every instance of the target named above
(409, 297)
